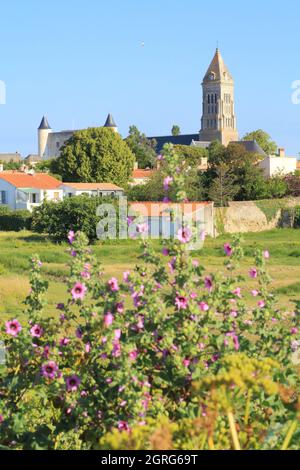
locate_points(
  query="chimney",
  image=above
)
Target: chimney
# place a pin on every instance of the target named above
(281, 152)
(136, 166)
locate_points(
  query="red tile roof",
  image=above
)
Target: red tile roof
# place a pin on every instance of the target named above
(139, 174)
(94, 186)
(36, 181)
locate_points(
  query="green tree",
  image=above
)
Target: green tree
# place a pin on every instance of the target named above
(95, 155)
(193, 156)
(143, 148)
(223, 188)
(153, 190)
(176, 130)
(263, 139)
(11, 165)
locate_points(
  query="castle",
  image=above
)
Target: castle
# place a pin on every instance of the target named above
(218, 118)
(50, 143)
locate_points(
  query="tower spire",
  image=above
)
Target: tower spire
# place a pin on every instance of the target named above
(218, 118)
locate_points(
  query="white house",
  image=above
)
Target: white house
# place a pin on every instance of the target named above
(26, 191)
(91, 189)
(279, 164)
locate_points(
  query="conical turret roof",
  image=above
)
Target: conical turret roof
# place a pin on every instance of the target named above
(217, 70)
(110, 122)
(44, 124)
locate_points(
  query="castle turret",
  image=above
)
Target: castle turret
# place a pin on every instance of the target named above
(110, 122)
(43, 133)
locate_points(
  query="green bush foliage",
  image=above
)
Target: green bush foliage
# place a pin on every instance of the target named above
(75, 213)
(14, 221)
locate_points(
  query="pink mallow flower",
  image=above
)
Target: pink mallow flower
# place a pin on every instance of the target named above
(238, 292)
(255, 293)
(228, 249)
(208, 283)
(181, 302)
(72, 383)
(253, 273)
(266, 254)
(71, 236)
(133, 355)
(85, 275)
(13, 327)
(108, 319)
(36, 331)
(204, 307)
(78, 292)
(261, 304)
(50, 370)
(123, 426)
(142, 228)
(113, 284)
(64, 341)
(167, 182)
(184, 235)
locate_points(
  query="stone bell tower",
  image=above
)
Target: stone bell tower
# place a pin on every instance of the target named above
(218, 119)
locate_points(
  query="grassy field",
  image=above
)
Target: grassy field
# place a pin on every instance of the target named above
(16, 249)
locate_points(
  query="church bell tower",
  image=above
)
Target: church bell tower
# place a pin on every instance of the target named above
(218, 117)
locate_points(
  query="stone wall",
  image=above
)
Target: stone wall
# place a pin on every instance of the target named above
(253, 216)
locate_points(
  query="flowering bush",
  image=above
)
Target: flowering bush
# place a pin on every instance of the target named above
(169, 357)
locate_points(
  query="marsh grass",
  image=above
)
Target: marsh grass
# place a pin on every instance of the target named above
(117, 257)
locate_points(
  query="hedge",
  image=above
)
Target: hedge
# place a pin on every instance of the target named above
(78, 213)
(15, 221)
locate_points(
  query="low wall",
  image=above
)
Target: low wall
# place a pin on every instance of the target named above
(253, 216)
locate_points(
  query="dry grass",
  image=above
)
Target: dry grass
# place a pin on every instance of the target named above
(16, 249)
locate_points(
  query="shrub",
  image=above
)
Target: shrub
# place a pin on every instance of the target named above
(293, 183)
(297, 217)
(15, 221)
(169, 357)
(75, 213)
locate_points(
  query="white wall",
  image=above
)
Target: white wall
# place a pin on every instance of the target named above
(76, 192)
(10, 193)
(278, 165)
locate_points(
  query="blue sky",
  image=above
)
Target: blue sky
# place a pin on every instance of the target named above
(76, 61)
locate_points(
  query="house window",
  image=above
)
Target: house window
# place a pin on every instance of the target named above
(33, 198)
(3, 197)
(57, 145)
(70, 194)
(56, 196)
